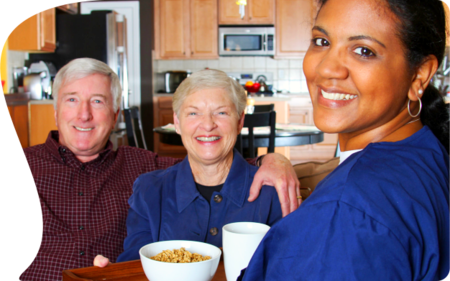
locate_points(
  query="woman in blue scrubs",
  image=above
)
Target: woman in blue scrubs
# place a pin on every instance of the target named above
(383, 214)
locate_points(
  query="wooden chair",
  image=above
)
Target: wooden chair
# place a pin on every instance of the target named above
(262, 119)
(135, 134)
(311, 173)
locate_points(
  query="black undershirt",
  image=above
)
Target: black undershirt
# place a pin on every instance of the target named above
(207, 191)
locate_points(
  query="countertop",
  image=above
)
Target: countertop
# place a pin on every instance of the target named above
(41, 101)
(23, 98)
(294, 99)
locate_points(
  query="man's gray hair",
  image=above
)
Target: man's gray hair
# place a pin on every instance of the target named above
(210, 79)
(81, 68)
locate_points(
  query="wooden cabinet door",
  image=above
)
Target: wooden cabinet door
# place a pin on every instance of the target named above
(256, 12)
(47, 30)
(37, 33)
(204, 36)
(261, 11)
(19, 118)
(174, 28)
(25, 36)
(293, 27)
(163, 115)
(41, 122)
(229, 13)
(71, 8)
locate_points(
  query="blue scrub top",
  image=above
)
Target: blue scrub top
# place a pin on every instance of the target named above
(166, 205)
(383, 214)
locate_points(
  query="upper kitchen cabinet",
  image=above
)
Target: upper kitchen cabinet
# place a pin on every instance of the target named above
(36, 34)
(256, 12)
(293, 27)
(69, 8)
(186, 29)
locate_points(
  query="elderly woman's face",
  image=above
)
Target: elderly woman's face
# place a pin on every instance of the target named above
(208, 124)
(355, 67)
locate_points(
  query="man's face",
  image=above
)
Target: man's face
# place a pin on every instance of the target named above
(85, 115)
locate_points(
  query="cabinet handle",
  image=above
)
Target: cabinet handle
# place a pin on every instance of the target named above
(184, 53)
(250, 18)
(192, 53)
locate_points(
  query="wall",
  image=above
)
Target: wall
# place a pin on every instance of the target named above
(12, 59)
(4, 67)
(288, 74)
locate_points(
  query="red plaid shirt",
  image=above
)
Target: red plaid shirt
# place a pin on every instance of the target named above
(84, 205)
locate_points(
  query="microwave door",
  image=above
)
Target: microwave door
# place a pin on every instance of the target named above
(243, 44)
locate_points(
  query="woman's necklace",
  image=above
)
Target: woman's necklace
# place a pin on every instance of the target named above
(413, 121)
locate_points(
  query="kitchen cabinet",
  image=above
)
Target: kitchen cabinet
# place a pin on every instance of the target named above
(18, 110)
(186, 29)
(294, 20)
(321, 151)
(163, 115)
(69, 8)
(36, 34)
(41, 120)
(256, 12)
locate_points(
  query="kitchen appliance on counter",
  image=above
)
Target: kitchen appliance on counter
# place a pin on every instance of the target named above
(168, 82)
(18, 75)
(38, 81)
(265, 79)
(246, 40)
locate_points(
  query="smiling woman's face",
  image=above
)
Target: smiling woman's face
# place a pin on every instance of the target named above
(208, 124)
(355, 67)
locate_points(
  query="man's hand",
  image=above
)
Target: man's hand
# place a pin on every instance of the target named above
(276, 170)
(101, 261)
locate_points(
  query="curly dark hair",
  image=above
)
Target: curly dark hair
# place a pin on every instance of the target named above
(421, 28)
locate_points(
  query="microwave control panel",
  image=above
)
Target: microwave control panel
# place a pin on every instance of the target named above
(270, 42)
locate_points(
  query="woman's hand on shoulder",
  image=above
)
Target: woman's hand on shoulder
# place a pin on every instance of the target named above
(277, 170)
(101, 261)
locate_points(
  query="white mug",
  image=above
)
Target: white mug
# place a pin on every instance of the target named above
(240, 240)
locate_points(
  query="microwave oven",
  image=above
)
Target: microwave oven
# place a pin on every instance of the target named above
(246, 41)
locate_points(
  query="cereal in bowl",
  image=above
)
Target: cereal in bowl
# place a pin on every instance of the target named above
(179, 256)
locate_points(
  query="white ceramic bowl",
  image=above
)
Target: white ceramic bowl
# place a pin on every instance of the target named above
(165, 271)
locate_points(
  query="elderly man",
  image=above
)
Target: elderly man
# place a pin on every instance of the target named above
(84, 185)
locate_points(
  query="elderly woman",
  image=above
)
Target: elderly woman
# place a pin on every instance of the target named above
(383, 213)
(209, 188)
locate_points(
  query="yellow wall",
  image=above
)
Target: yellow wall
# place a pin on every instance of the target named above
(4, 68)
(3, 64)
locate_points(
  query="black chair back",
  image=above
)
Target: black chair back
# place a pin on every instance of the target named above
(264, 108)
(262, 119)
(135, 134)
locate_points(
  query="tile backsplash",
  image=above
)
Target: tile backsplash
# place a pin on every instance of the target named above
(287, 74)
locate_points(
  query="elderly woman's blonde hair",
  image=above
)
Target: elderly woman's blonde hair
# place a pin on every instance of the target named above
(210, 79)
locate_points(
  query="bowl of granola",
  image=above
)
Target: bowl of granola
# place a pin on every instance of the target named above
(180, 260)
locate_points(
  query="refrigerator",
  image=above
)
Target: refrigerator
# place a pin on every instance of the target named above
(100, 35)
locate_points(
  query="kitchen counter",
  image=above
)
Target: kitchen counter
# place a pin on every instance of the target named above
(41, 101)
(295, 99)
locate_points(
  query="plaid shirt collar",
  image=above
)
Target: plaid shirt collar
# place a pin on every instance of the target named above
(65, 156)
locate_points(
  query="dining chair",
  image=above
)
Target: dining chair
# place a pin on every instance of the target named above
(309, 174)
(261, 119)
(135, 134)
(264, 108)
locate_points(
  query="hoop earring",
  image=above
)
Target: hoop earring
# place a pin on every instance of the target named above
(420, 105)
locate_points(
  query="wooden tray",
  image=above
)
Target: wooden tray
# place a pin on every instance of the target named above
(121, 271)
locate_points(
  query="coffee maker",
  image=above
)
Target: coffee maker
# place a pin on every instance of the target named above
(38, 81)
